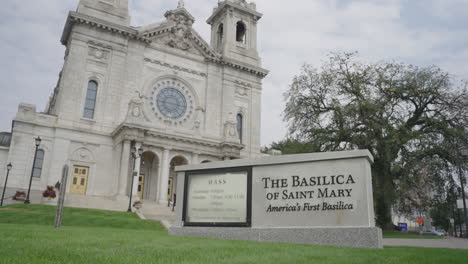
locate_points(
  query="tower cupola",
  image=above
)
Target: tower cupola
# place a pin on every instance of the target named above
(234, 30)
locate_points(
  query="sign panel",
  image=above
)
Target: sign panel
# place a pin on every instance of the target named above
(316, 194)
(460, 203)
(217, 199)
(403, 227)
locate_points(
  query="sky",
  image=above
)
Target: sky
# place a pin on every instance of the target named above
(291, 33)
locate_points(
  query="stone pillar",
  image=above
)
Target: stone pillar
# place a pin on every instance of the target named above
(163, 185)
(137, 170)
(124, 160)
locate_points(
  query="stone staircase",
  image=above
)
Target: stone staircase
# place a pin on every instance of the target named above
(158, 212)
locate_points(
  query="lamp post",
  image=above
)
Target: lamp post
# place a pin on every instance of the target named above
(134, 155)
(38, 143)
(464, 152)
(9, 166)
(462, 190)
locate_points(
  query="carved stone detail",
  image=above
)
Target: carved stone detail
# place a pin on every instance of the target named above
(176, 67)
(241, 91)
(98, 51)
(83, 154)
(135, 114)
(98, 54)
(180, 34)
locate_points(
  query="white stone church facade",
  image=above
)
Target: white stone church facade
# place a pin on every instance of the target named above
(160, 87)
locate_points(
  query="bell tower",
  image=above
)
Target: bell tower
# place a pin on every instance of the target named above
(115, 11)
(234, 30)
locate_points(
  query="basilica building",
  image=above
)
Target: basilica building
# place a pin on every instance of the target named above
(158, 88)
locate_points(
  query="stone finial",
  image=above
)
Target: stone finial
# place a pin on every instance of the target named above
(181, 4)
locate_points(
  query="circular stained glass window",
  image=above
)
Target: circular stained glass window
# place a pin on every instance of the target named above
(171, 103)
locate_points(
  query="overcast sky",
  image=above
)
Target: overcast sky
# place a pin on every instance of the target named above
(291, 33)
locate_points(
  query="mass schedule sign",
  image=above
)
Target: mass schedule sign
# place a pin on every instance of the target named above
(217, 198)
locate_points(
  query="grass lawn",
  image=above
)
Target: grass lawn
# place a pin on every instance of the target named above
(397, 234)
(93, 236)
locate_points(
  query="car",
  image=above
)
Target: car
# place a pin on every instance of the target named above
(441, 231)
(432, 233)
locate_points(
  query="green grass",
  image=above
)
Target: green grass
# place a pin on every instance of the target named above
(93, 236)
(397, 234)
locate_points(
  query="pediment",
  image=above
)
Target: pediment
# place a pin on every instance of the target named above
(177, 33)
(168, 39)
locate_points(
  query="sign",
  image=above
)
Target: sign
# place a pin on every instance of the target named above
(316, 194)
(316, 198)
(219, 198)
(460, 203)
(403, 227)
(61, 199)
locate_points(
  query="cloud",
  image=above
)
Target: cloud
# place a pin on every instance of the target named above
(289, 35)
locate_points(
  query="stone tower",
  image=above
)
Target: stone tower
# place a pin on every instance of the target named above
(234, 31)
(111, 10)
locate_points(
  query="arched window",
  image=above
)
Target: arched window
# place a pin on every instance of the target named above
(240, 126)
(241, 31)
(220, 34)
(90, 102)
(37, 170)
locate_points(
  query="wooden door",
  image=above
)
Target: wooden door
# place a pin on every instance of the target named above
(170, 189)
(79, 180)
(141, 186)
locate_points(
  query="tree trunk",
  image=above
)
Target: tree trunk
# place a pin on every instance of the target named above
(383, 195)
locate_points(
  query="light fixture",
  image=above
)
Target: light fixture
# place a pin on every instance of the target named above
(140, 151)
(9, 166)
(38, 141)
(133, 151)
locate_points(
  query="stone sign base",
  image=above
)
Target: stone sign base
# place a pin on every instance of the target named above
(360, 237)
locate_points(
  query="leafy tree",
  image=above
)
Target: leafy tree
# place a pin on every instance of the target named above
(411, 119)
(293, 146)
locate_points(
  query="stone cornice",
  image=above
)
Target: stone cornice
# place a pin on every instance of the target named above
(131, 33)
(242, 66)
(175, 67)
(78, 18)
(139, 133)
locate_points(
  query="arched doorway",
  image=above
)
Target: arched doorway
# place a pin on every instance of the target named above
(171, 191)
(148, 178)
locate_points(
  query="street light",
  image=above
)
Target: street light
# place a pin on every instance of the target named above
(38, 143)
(464, 152)
(9, 166)
(134, 155)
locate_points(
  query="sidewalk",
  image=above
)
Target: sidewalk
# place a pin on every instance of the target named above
(458, 243)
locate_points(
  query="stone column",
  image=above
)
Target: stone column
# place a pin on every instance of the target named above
(163, 185)
(124, 160)
(137, 170)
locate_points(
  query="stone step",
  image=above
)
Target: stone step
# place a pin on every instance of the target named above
(158, 212)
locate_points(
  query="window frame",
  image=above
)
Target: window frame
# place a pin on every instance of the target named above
(93, 101)
(240, 130)
(38, 166)
(220, 35)
(244, 39)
